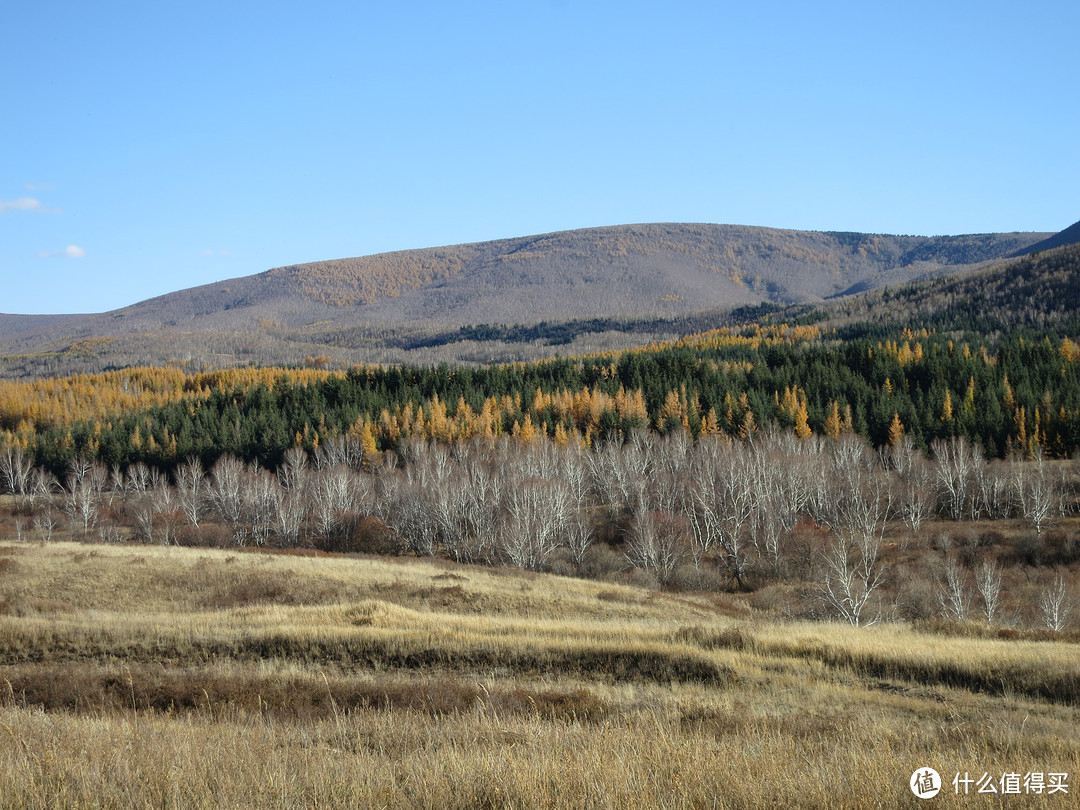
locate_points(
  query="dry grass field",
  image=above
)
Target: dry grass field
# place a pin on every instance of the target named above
(144, 676)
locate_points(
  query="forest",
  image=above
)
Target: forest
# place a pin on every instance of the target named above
(1016, 392)
(923, 434)
(740, 459)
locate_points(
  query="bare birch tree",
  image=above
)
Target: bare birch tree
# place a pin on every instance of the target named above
(1056, 604)
(850, 579)
(537, 514)
(917, 501)
(988, 576)
(954, 594)
(293, 471)
(226, 493)
(190, 479)
(15, 467)
(578, 537)
(84, 485)
(858, 508)
(955, 462)
(657, 543)
(262, 495)
(334, 493)
(1034, 491)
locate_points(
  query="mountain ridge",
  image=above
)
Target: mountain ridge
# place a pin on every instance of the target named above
(344, 308)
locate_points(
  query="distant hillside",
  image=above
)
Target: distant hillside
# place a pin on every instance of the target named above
(389, 306)
(1037, 291)
(637, 269)
(1069, 236)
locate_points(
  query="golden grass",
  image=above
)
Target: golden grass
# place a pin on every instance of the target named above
(146, 676)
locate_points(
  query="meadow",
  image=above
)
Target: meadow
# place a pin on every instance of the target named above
(162, 676)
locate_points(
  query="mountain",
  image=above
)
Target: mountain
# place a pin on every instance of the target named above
(395, 306)
(1039, 290)
(1069, 236)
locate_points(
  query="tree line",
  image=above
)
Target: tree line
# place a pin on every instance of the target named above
(1016, 393)
(712, 513)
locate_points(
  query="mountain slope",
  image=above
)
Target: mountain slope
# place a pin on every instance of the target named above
(352, 309)
(1040, 291)
(1069, 236)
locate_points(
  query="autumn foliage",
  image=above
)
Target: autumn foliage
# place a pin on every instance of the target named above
(1016, 394)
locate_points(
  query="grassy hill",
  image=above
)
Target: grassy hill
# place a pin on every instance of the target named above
(398, 683)
(388, 307)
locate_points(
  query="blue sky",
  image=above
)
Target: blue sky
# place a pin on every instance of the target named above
(150, 147)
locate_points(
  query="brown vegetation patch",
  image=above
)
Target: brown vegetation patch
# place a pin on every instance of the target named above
(999, 679)
(32, 606)
(10, 566)
(146, 687)
(378, 653)
(906, 690)
(258, 589)
(616, 596)
(551, 704)
(221, 588)
(974, 629)
(445, 596)
(714, 638)
(804, 727)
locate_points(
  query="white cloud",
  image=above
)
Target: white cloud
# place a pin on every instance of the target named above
(70, 252)
(26, 204)
(21, 204)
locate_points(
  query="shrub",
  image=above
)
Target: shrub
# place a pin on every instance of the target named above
(207, 535)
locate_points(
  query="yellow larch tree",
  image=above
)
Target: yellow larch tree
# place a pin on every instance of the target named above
(896, 430)
(749, 425)
(561, 438)
(802, 426)
(833, 426)
(967, 408)
(527, 433)
(671, 409)
(946, 407)
(710, 425)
